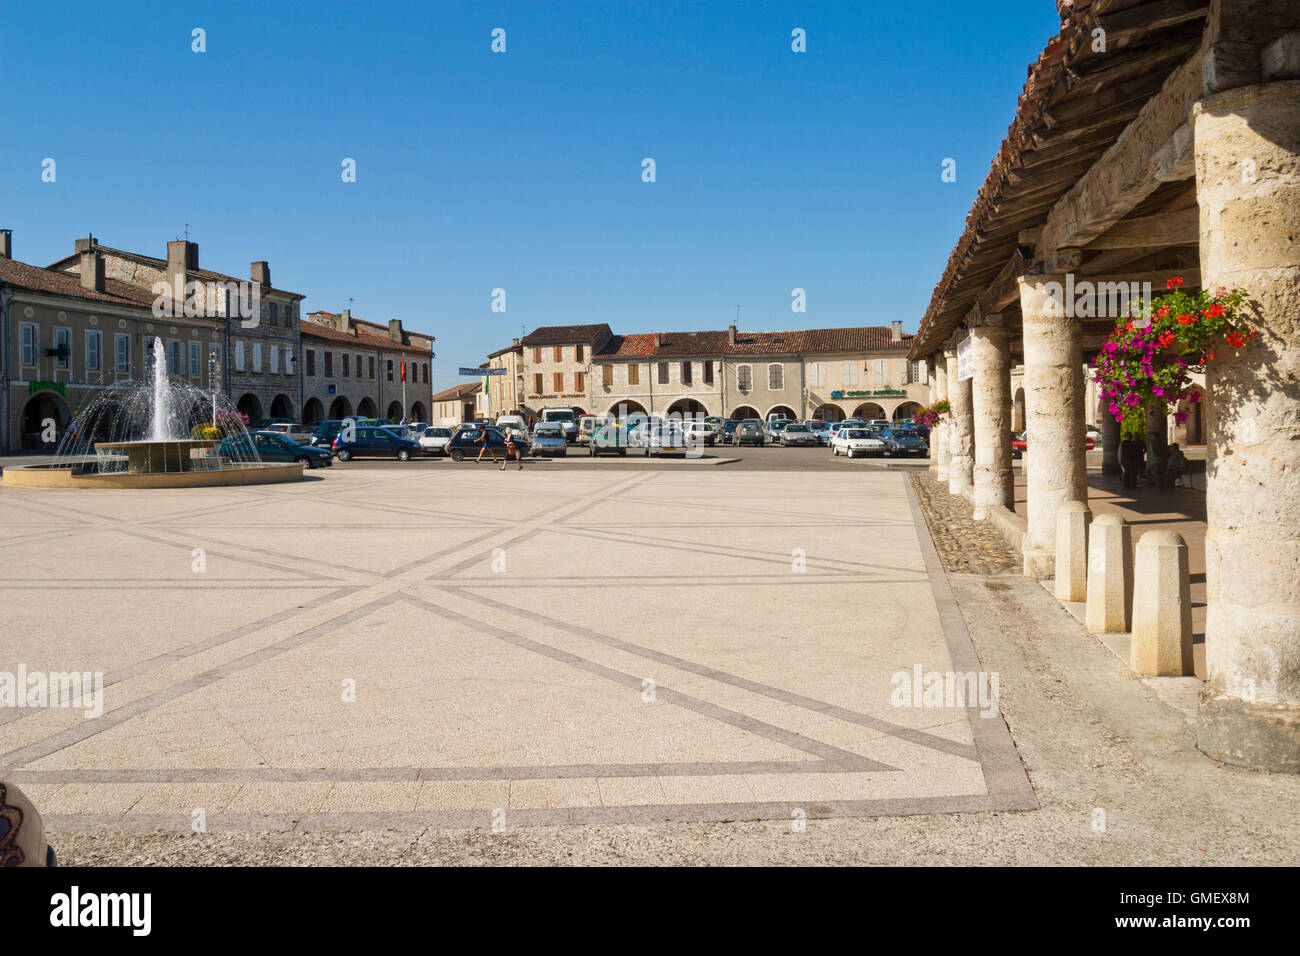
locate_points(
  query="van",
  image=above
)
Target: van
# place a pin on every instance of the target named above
(515, 423)
(566, 418)
(588, 424)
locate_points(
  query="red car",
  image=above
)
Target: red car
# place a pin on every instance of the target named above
(1018, 444)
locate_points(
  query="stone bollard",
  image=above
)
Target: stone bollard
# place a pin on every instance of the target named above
(1162, 607)
(1072, 520)
(1110, 575)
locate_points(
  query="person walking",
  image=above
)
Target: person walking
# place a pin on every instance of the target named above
(512, 449)
(484, 446)
(1177, 466)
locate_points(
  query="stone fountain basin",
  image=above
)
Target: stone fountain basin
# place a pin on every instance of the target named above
(152, 464)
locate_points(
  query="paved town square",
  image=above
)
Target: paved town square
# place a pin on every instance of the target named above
(432, 649)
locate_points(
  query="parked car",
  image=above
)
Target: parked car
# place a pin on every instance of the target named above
(369, 441)
(638, 432)
(465, 443)
(798, 434)
(821, 429)
(901, 442)
(856, 442)
(296, 433)
(1020, 443)
(566, 418)
(262, 423)
(548, 439)
(749, 432)
(325, 432)
(837, 427)
(274, 447)
(726, 430)
(434, 439)
(608, 438)
(514, 423)
(700, 432)
(667, 440)
(773, 427)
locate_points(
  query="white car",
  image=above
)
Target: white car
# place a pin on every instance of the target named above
(666, 440)
(856, 442)
(699, 433)
(296, 433)
(434, 440)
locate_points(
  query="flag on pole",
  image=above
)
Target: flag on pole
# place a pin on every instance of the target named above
(403, 368)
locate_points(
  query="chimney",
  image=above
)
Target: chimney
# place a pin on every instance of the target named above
(659, 339)
(92, 270)
(81, 245)
(6, 243)
(514, 343)
(731, 335)
(260, 272)
(897, 331)
(182, 256)
(395, 330)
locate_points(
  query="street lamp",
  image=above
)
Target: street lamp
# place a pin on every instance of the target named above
(214, 376)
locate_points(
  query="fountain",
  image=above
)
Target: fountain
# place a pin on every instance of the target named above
(160, 434)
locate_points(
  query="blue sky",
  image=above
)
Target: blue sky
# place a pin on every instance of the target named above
(522, 170)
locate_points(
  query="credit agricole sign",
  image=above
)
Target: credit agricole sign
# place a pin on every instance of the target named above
(877, 393)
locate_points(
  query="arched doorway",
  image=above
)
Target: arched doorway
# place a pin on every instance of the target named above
(743, 412)
(250, 405)
(45, 417)
(686, 408)
(418, 412)
(829, 413)
(1018, 411)
(394, 411)
(312, 412)
(341, 408)
(624, 410)
(281, 407)
(868, 411)
(906, 410)
(366, 408)
(781, 411)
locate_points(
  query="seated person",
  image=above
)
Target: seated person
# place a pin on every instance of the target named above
(1177, 466)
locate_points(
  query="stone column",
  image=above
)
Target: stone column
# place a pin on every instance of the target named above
(1054, 457)
(934, 397)
(1247, 145)
(991, 411)
(1109, 438)
(961, 432)
(939, 447)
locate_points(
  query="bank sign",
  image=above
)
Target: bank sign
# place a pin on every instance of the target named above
(878, 393)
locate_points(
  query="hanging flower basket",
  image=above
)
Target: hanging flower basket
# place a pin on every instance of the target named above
(932, 415)
(1150, 355)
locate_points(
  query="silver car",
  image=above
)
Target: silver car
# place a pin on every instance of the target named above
(548, 439)
(799, 434)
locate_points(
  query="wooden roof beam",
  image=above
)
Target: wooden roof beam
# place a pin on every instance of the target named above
(1180, 228)
(1156, 147)
(1144, 18)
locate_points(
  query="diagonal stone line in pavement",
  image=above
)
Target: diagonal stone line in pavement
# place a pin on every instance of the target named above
(705, 708)
(73, 735)
(919, 737)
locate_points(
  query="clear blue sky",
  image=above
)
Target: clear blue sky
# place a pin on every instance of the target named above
(521, 170)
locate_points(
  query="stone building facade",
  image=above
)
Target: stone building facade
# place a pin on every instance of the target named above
(72, 336)
(556, 366)
(354, 367)
(257, 324)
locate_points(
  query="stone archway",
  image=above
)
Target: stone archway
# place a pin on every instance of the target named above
(686, 408)
(868, 411)
(418, 412)
(626, 409)
(829, 413)
(783, 411)
(312, 412)
(42, 408)
(250, 405)
(366, 408)
(340, 408)
(394, 412)
(743, 412)
(282, 407)
(906, 411)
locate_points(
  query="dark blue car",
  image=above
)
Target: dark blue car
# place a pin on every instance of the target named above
(271, 446)
(369, 441)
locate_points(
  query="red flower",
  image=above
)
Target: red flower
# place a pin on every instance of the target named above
(1215, 311)
(1174, 283)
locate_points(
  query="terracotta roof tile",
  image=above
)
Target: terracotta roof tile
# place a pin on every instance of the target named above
(31, 278)
(564, 334)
